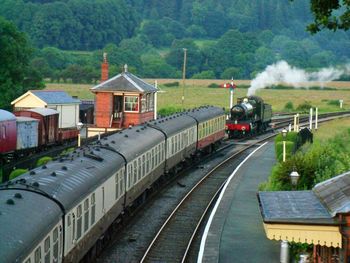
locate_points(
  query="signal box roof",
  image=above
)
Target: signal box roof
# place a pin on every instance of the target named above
(125, 82)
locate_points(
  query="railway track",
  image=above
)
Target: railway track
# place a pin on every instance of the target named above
(129, 243)
(173, 240)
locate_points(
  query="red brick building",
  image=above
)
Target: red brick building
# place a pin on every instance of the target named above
(123, 100)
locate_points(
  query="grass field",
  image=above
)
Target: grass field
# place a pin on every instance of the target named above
(330, 129)
(198, 93)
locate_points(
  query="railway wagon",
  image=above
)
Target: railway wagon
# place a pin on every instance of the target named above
(180, 132)
(48, 123)
(211, 125)
(8, 131)
(27, 133)
(88, 190)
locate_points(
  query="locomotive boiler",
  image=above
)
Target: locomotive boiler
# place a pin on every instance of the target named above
(248, 117)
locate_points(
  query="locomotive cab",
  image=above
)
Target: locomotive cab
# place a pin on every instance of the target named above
(249, 116)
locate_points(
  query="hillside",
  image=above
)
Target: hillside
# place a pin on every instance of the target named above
(223, 38)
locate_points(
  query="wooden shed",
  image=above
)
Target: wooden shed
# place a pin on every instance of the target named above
(124, 100)
(67, 106)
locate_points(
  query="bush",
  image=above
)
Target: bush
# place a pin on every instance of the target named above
(333, 102)
(207, 74)
(43, 160)
(290, 148)
(289, 106)
(213, 85)
(304, 107)
(169, 110)
(16, 173)
(172, 84)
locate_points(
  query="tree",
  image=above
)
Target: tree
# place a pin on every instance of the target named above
(16, 77)
(330, 14)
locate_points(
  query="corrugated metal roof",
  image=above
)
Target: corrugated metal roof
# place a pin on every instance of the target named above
(6, 115)
(44, 111)
(293, 207)
(335, 193)
(126, 82)
(55, 97)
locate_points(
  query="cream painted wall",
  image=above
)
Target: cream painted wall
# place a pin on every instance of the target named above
(30, 101)
(69, 115)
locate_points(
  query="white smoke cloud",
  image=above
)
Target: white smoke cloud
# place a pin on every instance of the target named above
(282, 72)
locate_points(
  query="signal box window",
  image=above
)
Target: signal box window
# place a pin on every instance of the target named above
(131, 103)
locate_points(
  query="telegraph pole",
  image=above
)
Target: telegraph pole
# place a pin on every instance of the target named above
(183, 77)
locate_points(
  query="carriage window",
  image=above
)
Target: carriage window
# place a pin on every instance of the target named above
(131, 103)
(139, 168)
(153, 158)
(135, 171)
(86, 215)
(148, 164)
(143, 165)
(93, 202)
(121, 182)
(116, 186)
(79, 221)
(37, 255)
(69, 221)
(130, 175)
(28, 261)
(47, 250)
(55, 244)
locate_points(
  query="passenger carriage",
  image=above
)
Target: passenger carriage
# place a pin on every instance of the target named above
(180, 133)
(85, 191)
(211, 125)
(143, 149)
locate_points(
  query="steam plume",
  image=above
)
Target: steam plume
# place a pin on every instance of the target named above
(282, 72)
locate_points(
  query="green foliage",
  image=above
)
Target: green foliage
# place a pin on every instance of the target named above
(172, 84)
(289, 106)
(315, 163)
(333, 102)
(207, 74)
(16, 173)
(291, 144)
(16, 76)
(213, 85)
(169, 110)
(43, 160)
(67, 151)
(290, 148)
(304, 107)
(129, 31)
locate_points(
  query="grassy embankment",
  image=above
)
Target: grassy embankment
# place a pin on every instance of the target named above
(327, 156)
(198, 93)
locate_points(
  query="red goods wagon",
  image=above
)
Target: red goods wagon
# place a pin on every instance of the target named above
(8, 128)
(68, 134)
(48, 123)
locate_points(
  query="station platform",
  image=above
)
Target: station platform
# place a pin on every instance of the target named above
(234, 232)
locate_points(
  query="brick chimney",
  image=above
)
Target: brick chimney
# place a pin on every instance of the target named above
(104, 68)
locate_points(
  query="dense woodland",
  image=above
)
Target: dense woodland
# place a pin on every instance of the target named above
(224, 38)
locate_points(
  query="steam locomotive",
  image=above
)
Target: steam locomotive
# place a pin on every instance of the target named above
(248, 117)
